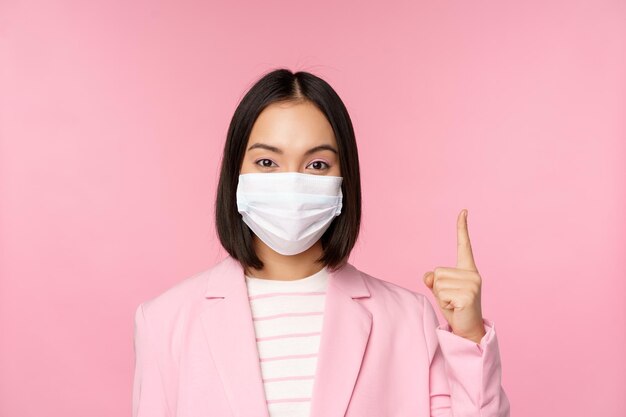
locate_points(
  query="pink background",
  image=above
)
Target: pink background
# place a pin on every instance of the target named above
(113, 116)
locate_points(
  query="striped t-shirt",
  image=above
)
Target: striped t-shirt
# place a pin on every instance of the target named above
(288, 317)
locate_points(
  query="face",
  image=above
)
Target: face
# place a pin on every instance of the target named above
(292, 137)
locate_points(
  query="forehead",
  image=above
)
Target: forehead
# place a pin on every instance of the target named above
(292, 125)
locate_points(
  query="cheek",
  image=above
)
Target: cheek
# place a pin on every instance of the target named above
(335, 170)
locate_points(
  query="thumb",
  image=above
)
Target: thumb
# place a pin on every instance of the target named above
(429, 277)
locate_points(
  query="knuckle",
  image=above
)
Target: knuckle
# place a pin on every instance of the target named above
(471, 294)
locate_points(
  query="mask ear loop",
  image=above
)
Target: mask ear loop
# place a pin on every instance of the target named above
(339, 202)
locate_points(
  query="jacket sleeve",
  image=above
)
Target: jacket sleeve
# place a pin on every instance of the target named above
(465, 377)
(148, 394)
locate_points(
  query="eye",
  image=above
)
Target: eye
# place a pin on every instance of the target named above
(264, 165)
(326, 166)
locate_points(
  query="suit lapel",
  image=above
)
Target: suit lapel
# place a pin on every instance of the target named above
(230, 334)
(345, 332)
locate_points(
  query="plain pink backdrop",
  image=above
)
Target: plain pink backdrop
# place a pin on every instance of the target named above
(113, 116)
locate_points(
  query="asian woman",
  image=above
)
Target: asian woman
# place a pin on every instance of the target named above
(285, 325)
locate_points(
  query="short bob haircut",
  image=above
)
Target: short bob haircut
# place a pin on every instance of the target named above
(282, 85)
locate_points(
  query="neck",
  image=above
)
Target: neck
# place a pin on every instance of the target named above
(286, 267)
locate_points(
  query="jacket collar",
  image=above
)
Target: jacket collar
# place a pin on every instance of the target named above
(228, 275)
(229, 331)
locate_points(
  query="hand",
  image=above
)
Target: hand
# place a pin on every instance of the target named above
(457, 290)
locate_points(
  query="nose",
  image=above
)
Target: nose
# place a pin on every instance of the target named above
(301, 170)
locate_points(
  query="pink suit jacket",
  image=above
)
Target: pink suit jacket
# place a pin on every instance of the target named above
(382, 353)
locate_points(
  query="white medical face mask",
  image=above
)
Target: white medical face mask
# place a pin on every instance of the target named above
(289, 211)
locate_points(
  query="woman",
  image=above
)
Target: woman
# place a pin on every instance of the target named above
(285, 325)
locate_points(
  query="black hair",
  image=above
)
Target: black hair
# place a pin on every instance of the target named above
(282, 85)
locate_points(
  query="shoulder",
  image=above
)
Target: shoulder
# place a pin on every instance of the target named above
(175, 300)
(401, 314)
(392, 296)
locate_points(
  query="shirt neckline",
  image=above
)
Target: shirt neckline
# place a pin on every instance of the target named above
(311, 282)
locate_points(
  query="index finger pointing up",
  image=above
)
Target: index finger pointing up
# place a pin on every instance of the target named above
(464, 258)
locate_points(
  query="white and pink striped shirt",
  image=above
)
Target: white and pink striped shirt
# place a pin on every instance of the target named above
(288, 317)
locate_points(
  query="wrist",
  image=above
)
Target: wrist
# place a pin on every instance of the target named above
(475, 336)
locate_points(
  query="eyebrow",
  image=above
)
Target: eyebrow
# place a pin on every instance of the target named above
(279, 151)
